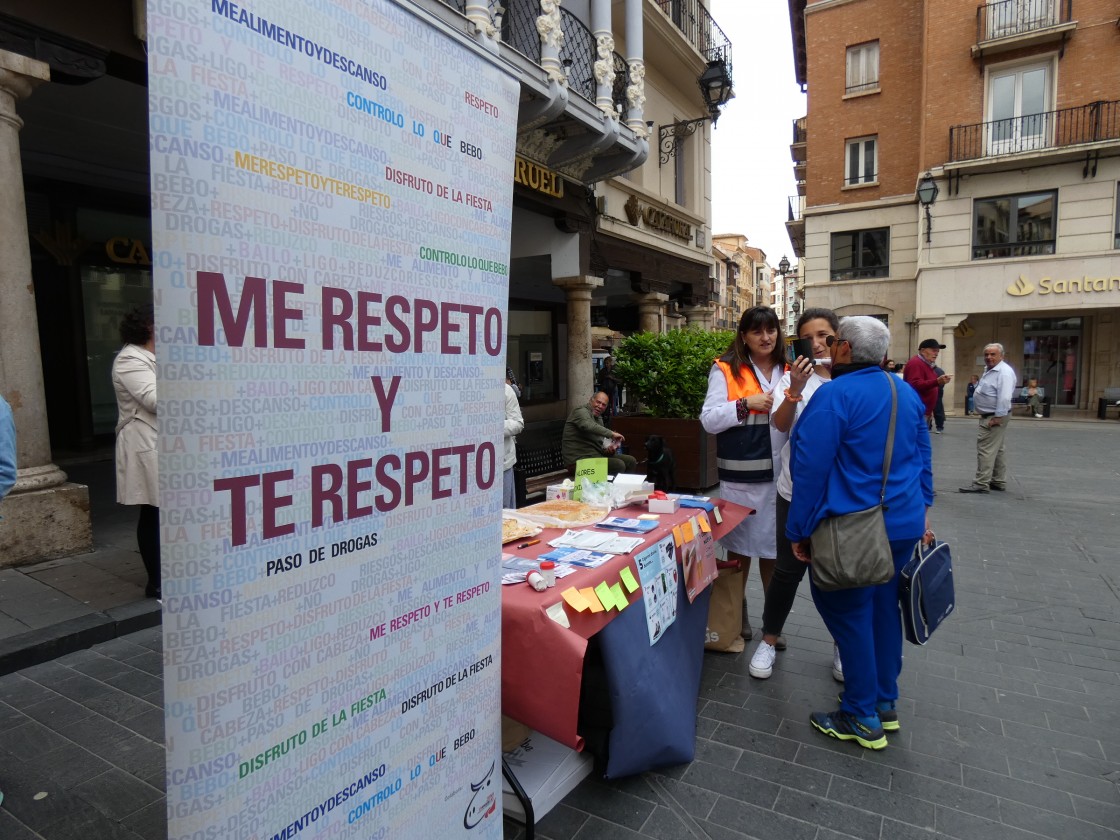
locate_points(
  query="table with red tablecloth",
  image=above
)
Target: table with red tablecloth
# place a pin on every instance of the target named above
(653, 689)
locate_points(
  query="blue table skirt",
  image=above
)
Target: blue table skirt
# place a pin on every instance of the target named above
(654, 690)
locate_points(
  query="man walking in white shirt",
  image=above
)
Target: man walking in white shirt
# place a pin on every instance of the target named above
(993, 404)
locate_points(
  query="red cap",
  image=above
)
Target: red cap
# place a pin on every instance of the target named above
(547, 564)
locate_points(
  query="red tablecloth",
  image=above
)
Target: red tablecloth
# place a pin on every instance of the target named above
(542, 662)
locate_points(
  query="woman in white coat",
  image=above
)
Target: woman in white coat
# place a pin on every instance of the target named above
(134, 381)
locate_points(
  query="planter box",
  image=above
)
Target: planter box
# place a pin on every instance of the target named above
(693, 448)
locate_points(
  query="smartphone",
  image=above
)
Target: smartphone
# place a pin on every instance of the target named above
(801, 347)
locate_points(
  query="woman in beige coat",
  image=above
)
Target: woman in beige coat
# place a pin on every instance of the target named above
(134, 380)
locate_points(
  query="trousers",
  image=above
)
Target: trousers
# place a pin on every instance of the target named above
(991, 460)
(788, 572)
(866, 624)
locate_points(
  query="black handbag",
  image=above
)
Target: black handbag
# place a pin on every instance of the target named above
(853, 549)
(925, 591)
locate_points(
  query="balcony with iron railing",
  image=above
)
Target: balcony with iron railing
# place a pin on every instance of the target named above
(795, 225)
(1011, 24)
(797, 148)
(700, 29)
(1067, 128)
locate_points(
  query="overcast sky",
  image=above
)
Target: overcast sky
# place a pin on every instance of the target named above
(752, 171)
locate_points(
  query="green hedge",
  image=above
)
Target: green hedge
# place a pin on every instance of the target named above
(668, 373)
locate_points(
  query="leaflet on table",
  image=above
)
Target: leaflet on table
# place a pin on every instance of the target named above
(514, 568)
(657, 570)
(622, 523)
(577, 557)
(687, 501)
(601, 541)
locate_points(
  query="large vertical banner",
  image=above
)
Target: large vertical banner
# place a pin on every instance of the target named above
(331, 203)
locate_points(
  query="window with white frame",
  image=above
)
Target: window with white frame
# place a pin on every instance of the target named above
(861, 161)
(863, 68)
(860, 254)
(1019, 118)
(1014, 225)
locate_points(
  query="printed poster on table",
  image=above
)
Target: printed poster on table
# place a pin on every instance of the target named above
(698, 560)
(657, 572)
(331, 207)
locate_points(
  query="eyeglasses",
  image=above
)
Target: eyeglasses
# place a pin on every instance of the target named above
(831, 339)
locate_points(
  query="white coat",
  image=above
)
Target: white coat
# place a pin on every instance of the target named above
(134, 381)
(514, 425)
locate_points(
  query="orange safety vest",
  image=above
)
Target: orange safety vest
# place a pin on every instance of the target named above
(743, 453)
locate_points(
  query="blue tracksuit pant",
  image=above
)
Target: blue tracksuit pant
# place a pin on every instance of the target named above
(866, 624)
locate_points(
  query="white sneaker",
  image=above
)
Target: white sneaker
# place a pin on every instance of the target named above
(1038, 417)
(837, 665)
(762, 663)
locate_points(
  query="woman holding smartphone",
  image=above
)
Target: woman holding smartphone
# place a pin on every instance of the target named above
(736, 410)
(806, 374)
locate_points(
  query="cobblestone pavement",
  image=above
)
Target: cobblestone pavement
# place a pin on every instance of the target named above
(1007, 715)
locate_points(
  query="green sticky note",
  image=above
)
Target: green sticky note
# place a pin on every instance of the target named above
(628, 579)
(593, 469)
(619, 597)
(606, 597)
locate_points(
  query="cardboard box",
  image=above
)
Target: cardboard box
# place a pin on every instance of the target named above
(556, 491)
(664, 505)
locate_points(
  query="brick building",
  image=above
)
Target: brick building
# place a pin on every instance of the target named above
(958, 170)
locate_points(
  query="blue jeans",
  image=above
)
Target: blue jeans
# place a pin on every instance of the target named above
(866, 624)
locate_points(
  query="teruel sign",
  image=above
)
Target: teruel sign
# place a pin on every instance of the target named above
(1063, 286)
(536, 177)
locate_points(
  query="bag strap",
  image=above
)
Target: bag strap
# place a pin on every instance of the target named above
(890, 439)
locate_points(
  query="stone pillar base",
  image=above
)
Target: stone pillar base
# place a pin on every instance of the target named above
(45, 524)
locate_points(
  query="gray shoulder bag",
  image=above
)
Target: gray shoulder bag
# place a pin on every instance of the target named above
(853, 549)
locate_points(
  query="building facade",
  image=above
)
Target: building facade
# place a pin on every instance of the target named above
(961, 175)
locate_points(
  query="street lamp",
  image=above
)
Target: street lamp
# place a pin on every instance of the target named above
(715, 85)
(927, 194)
(783, 266)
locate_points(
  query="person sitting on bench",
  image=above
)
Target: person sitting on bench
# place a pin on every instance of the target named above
(1034, 396)
(585, 436)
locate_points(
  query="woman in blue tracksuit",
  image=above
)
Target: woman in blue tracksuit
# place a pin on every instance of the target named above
(837, 468)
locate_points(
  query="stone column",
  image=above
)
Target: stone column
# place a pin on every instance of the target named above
(44, 516)
(947, 361)
(636, 64)
(651, 306)
(581, 371)
(604, 57)
(699, 317)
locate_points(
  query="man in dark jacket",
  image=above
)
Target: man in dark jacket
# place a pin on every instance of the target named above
(585, 436)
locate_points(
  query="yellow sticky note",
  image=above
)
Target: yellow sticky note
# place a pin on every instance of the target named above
(592, 599)
(719, 518)
(619, 597)
(705, 526)
(677, 536)
(686, 531)
(575, 599)
(628, 579)
(606, 597)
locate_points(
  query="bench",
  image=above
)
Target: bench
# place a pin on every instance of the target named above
(537, 467)
(1111, 399)
(1017, 398)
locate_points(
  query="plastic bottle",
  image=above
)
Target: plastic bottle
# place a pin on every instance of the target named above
(536, 580)
(548, 572)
